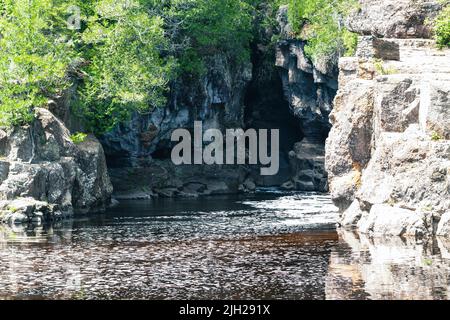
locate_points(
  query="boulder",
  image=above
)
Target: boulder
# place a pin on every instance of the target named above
(27, 210)
(387, 220)
(435, 106)
(307, 165)
(444, 225)
(351, 216)
(370, 47)
(394, 18)
(43, 164)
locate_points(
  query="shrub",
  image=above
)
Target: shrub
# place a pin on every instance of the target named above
(320, 22)
(78, 137)
(381, 68)
(124, 69)
(35, 53)
(436, 136)
(442, 28)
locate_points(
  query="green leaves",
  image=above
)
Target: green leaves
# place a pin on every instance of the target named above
(320, 22)
(125, 72)
(78, 137)
(208, 27)
(442, 27)
(34, 57)
(121, 58)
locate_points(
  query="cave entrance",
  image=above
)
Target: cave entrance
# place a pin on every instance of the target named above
(267, 108)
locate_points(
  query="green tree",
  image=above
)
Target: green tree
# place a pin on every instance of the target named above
(203, 28)
(36, 51)
(442, 26)
(124, 69)
(321, 23)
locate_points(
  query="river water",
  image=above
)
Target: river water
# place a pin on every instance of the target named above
(270, 245)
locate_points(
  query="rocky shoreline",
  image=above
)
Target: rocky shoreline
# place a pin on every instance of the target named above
(388, 153)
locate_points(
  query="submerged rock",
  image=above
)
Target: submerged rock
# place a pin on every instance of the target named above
(27, 210)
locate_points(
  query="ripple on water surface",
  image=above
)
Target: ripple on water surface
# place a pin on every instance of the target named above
(270, 245)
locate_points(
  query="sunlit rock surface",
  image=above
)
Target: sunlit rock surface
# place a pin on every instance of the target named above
(388, 153)
(394, 18)
(44, 175)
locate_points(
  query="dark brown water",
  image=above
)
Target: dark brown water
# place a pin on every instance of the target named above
(267, 246)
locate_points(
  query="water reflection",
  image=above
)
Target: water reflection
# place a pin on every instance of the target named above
(388, 268)
(267, 246)
(230, 248)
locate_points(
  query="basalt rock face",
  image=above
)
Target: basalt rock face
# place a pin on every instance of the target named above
(388, 153)
(309, 89)
(292, 95)
(139, 152)
(44, 175)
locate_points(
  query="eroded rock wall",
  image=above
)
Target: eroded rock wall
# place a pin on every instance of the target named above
(388, 154)
(297, 100)
(394, 18)
(309, 89)
(44, 175)
(138, 152)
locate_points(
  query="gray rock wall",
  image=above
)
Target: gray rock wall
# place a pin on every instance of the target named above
(142, 147)
(44, 175)
(394, 18)
(388, 153)
(309, 89)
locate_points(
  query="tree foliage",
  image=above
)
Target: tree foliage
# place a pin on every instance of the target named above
(442, 26)
(125, 70)
(123, 54)
(121, 57)
(321, 23)
(35, 52)
(202, 28)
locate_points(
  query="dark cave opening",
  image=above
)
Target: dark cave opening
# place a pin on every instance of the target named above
(267, 108)
(162, 153)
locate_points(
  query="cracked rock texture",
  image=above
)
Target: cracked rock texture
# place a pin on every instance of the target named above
(388, 153)
(309, 89)
(44, 175)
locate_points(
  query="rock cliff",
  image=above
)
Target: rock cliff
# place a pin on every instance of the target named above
(309, 89)
(44, 175)
(388, 154)
(290, 94)
(138, 152)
